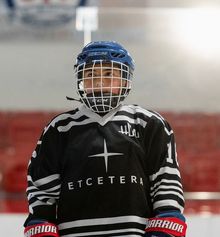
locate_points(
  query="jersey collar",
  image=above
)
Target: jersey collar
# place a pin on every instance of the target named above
(102, 120)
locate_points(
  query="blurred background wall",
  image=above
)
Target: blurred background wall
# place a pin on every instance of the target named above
(175, 45)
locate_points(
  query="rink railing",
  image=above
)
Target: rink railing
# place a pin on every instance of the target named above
(202, 195)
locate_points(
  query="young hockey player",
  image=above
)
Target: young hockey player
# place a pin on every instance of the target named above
(105, 168)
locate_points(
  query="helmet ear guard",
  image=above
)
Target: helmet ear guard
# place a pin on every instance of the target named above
(111, 65)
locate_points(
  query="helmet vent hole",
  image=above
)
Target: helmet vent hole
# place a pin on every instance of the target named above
(117, 55)
(82, 57)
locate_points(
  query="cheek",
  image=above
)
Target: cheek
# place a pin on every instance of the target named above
(116, 87)
(115, 91)
(116, 83)
(88, 86)
(87, 83)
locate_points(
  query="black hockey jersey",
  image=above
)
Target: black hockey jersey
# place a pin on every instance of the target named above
(103, 176)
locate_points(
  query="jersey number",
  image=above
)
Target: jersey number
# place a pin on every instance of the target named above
(169, 151)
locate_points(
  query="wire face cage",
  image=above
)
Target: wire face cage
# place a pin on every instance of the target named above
(102, 85)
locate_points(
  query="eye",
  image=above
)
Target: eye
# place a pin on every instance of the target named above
(108, 73)
(88, 74)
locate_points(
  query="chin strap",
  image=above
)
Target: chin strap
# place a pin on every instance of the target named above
(70, 98)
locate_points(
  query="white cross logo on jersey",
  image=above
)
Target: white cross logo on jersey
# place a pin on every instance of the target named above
(106, 155)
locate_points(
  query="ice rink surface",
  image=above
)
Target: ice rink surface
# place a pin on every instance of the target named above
(198, 226)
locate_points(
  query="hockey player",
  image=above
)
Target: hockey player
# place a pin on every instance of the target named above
(105, 168)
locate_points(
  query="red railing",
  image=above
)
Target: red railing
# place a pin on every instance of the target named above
(198, 147)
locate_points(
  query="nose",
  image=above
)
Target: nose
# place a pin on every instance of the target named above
(99, 83)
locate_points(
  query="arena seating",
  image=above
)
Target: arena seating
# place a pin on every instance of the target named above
(198, 147)
(19, 133)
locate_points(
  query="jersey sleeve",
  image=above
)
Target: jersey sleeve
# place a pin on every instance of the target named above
(166, 190)
(44, 177)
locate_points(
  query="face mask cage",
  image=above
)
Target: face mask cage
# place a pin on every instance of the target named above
(102, 86)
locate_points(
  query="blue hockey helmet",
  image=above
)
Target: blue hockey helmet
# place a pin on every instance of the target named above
(103, 56)
(106, 51)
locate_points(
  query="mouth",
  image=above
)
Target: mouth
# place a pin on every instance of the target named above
(104, 94)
